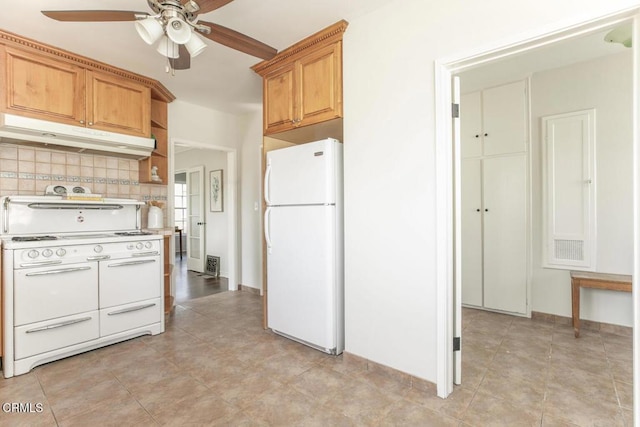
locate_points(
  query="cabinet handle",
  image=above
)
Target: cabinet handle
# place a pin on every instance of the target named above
(90, 123)
(486, 210)
(486, 134)
(58, 325)
(81, 122)
(128, 263)
(130, 309)
(477, 210)
(477, 136)
(62, 270)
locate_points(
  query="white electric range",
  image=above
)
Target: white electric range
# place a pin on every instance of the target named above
(78, 273)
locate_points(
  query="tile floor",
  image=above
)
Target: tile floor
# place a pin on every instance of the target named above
(215, 365)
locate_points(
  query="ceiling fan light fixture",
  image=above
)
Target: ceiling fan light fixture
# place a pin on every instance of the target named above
(168, 48)
(195, 45)
(149, 29)
(178, 31)
(620, 35)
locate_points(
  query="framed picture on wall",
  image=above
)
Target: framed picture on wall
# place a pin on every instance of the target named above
(216, 194)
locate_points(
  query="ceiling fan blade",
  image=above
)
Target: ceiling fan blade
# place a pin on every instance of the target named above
(93, 15)
(183, 61)
(238, 41)
(208, 5)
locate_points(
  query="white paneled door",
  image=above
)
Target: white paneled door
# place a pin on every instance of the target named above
(196, 219)
(505, 233)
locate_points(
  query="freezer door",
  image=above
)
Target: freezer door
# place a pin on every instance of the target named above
(301, 274)
(304, 174)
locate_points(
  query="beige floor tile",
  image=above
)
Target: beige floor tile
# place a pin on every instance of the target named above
(453, 406)
(580, 382)
(31, 418)
(72, 401)
(515, 389)
(486, 410)
(625, 394)
(283, 406)
(408, 413)
(124, 413)
(581, 409)
(201, 409)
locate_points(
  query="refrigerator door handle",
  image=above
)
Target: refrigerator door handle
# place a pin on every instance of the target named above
(267, 179)
(267, 227)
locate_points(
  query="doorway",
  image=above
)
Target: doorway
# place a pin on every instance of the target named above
(448, 163)
(219, 231)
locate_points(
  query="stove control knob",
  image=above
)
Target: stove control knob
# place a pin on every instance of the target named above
(139, 245)
(61, 252)
(130, 246)
(97, 249)
(33, 253)
(148, 245)
(47, 253)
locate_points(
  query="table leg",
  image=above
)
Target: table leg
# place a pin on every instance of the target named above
(575, 306)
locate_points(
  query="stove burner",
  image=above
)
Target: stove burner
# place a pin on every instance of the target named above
(133, 233)
(32, 238)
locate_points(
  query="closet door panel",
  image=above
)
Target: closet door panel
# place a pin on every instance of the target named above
(504, 112)
(471, 212)
(505, 233)
(471, 124)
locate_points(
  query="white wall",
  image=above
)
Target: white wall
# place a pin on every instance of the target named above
(606, 85)
(192, 123)
(251, 200)
(390, 205)
(216, 235)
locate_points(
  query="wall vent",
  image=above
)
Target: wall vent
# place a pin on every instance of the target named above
(569, 250)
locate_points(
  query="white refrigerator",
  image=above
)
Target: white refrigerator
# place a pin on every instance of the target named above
(303, 230)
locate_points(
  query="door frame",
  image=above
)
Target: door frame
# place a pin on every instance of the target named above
(448, 225)
(231, 202)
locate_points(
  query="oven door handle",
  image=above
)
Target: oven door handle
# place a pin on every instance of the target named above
(130, 309)
(58, 271)
(145, 253)
(41, 263)
(123, 264)
(59, 325)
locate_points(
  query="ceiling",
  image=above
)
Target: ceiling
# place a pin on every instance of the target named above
(219, 78)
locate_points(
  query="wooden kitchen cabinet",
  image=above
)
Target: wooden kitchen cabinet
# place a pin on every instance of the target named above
(42, 87)
(302, 85)
(118, 105)
(45, 88)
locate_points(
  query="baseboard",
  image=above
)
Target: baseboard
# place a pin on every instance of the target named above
(399, 376)
(625, 331)
(249, 289)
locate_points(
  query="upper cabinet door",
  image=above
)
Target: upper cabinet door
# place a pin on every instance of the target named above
(471, 125)
(319, 85)
(504, 112)
(41, 87)
(279, 111)
(118, 105)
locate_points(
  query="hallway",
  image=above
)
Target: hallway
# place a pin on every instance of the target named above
(191, 285)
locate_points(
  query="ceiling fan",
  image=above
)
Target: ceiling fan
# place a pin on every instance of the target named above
(175, 26)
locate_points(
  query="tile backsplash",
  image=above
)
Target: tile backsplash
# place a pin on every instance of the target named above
(28, 170)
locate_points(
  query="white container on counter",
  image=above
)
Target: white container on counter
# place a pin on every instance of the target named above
(154, 219)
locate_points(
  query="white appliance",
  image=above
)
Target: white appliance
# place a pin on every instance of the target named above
(304, 237)
(18, 128)
(78, 275)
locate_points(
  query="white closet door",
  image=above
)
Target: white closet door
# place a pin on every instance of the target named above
(471, 125)
(504, 112)
(505, 233)
(471, 218)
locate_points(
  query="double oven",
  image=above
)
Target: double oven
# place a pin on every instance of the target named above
(78, 274)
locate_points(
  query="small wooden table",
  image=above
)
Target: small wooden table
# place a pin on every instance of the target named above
(585, 279)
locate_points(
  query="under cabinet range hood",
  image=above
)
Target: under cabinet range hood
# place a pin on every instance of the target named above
(24, 129)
